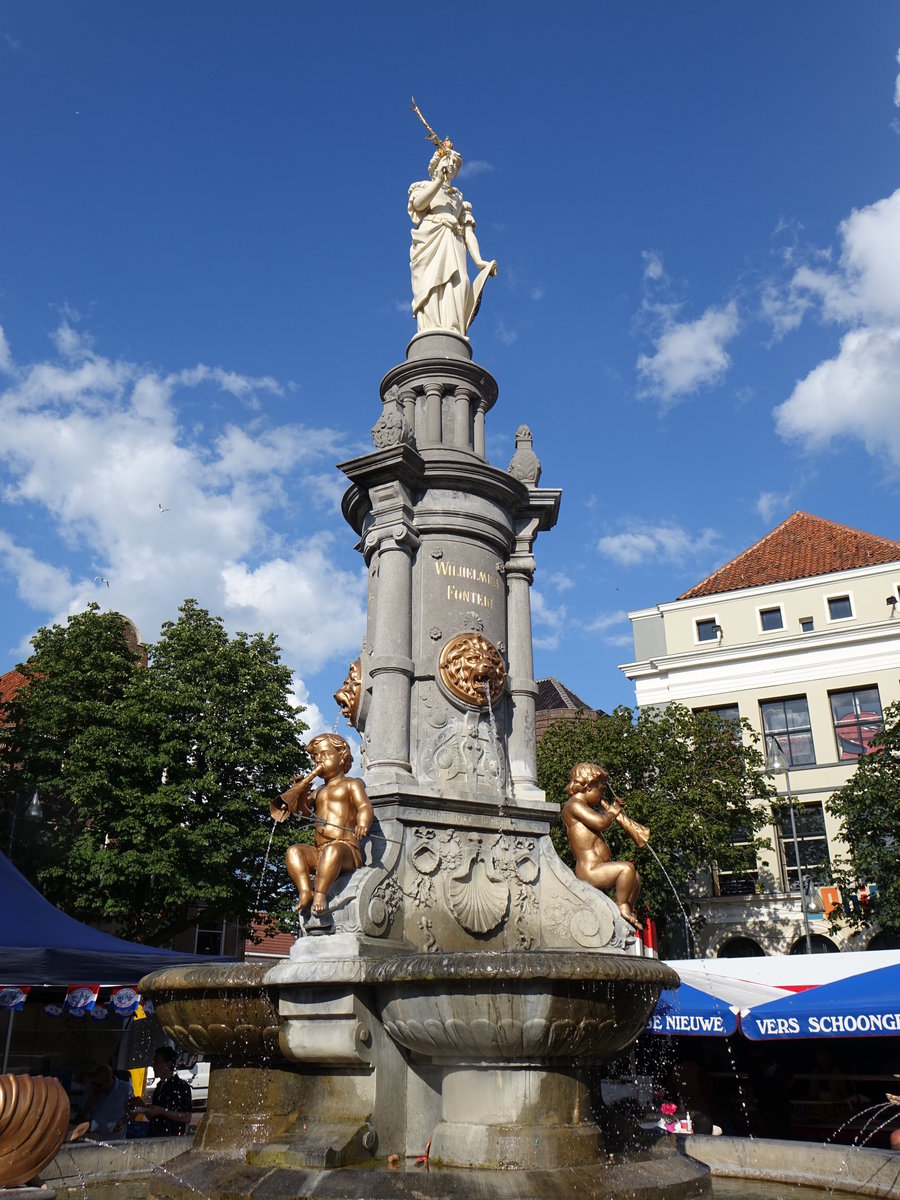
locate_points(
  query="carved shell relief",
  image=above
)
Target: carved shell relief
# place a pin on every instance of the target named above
(484, 878)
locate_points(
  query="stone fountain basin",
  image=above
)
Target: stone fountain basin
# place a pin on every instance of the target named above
(518, 1004)
(474, 1005)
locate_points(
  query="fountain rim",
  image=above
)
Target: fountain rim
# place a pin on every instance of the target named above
(416, 967)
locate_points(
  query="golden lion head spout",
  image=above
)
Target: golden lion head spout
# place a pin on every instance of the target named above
(348, 693)
(471, 669)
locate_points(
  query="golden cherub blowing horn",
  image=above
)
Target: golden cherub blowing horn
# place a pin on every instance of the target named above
(638, 833)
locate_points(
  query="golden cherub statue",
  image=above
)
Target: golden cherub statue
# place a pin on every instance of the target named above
(343, 815)
(586, 816)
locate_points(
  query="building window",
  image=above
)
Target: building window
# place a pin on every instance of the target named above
(806, 624)
(839, 608)
(770, 619)
(787, 721)
(210, 938)
(743, 879)
(856, 714)
(708, 629)
(728, 712)
(812, 845)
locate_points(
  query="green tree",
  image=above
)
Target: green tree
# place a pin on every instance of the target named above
(53, 731)
(688, 776)
(155, 780)
(868, 807)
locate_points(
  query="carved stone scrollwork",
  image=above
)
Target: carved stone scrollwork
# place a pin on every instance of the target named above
(391, 429)
(469, 664)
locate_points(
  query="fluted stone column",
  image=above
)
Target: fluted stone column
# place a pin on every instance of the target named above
(393, 540)
(523, 690)
(433, 394)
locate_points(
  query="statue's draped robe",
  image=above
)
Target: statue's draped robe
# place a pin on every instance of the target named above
(443, 298)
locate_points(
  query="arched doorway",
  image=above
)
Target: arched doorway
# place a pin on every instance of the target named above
(741, 947)
(820, 945)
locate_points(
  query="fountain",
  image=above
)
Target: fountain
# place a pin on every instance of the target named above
(430, 1032)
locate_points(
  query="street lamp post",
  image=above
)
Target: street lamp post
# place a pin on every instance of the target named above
(777, 764)
(33, 812)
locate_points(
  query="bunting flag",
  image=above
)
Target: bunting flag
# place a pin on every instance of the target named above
(13, 997)
(124, 1001)
(81, 998)
(99, 1012)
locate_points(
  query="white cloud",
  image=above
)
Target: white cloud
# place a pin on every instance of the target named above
(897, 86)
(474, 166)
(641, 542)
(614, 628)
(94, 450)
(689, 355)
(653, 265)
(854, 394)
(5, 356)
(770, 503)
(550, 620)
(784, 310)
(561, 581)
(505, 333)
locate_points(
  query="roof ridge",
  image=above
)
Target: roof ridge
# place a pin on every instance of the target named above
(802, 556)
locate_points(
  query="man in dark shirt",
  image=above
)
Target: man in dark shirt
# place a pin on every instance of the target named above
(170, 1108)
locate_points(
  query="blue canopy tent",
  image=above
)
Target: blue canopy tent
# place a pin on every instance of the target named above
(41, 945)
(862, 1005)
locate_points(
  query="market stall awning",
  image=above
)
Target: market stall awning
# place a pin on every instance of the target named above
(41, 945)
(688, 1011)
(856, 993)
(866, 1004)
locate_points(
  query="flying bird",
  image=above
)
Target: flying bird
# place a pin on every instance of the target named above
(161, 509)
(100, 579)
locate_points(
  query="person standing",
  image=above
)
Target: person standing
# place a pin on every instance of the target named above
(169, 1110)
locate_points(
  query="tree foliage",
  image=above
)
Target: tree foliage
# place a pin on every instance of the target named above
(155, 779)
(868, 807)
(689, 776)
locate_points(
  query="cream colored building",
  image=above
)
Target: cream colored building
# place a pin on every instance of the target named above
(800, 634)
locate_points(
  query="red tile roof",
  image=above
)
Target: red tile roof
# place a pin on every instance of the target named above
(10, 684)
(799, 548)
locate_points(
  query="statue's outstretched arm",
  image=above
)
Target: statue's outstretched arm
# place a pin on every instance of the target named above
(475, 250)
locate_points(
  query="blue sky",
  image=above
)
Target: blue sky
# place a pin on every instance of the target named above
(204, 275)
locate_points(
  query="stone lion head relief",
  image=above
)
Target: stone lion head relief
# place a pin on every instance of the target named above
(471, 668)
(348, 694)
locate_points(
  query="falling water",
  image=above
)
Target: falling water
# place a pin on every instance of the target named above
(689, 937)
(128, 1148)
(262, 874)
(495, 745)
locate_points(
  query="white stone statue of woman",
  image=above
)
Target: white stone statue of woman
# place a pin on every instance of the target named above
(443, 229)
